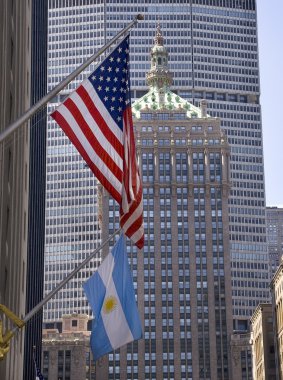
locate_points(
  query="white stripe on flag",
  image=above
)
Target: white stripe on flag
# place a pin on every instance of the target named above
(134, 216)
(115, 323)
(138, 234)
(131, 221)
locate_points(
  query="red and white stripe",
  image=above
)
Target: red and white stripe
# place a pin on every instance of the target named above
(131, 211)
(108, 151)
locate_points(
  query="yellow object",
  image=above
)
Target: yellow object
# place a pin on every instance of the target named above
(110, 304)
(5, 339)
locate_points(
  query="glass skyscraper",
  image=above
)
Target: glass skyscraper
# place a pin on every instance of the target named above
(213, 51)
(213, 55)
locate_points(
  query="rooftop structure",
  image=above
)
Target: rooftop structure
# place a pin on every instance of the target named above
(67, 355)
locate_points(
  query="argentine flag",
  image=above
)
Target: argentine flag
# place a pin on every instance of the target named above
(111, 295)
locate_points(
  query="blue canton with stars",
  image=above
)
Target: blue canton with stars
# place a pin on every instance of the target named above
(111, 82)
(39, 375)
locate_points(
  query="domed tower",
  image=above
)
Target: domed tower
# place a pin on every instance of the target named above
(159, 76)
(159, 79)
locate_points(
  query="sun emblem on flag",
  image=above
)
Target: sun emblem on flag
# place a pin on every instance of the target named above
(109, 304)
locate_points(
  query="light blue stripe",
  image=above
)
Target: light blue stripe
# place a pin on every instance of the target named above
(95, 292)
(99, 341)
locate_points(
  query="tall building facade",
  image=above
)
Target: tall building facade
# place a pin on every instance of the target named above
(213, 50)
(274, 232)
(72, 227)
(15, 77)
(71, 222)
(182, 276)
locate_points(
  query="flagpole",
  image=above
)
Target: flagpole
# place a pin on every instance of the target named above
(64, 282)
(42, 102)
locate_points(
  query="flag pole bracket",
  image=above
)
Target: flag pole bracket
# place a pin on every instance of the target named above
(5, 338)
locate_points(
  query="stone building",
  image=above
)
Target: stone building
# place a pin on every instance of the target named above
(277, 304)
(15, 90)
(183, 275)
(23, 63)
(67, 355)
(262, 340)
(241, 356)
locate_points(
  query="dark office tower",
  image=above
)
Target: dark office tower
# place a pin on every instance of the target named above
(274, 225)
(15, 75)
(37, 166)
(182, 277)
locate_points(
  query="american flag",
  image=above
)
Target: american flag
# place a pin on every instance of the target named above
(97, 118)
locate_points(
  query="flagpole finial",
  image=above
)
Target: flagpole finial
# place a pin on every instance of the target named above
(6, 337)
(140, 17)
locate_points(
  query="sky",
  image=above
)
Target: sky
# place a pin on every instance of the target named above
(270, 36)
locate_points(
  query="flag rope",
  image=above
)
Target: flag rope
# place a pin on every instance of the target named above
(43, 101)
